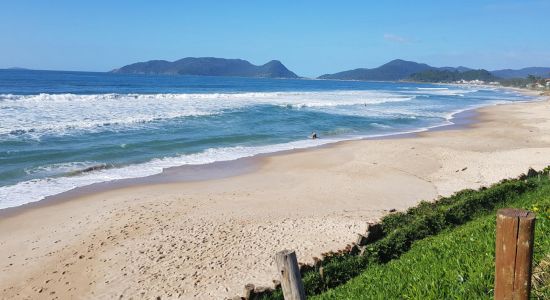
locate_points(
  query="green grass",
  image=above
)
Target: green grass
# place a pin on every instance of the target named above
(436, 250)
(456, 263)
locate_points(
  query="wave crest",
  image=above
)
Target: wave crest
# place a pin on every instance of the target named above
(59, 114)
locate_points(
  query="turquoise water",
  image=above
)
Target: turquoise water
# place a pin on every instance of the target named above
(61, 130)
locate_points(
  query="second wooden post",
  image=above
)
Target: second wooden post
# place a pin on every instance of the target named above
(291, 279)
(514, 253)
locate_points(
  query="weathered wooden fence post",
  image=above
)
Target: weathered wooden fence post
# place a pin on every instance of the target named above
(291, 279)
(249, 291)
(514, 253)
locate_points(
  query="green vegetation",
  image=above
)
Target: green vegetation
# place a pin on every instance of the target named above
(434, 75)
(455, 264)
(450, 76)
(515, 82)
(530, 81)
(428, 252)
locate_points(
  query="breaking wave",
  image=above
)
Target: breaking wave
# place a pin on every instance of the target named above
(60, 114)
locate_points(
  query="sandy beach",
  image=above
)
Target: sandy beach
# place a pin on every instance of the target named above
(206, 239)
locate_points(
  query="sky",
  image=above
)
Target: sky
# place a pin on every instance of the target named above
(310, 37)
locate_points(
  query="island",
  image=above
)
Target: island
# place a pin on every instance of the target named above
(208, 66)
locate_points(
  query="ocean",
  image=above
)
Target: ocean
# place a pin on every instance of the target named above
(62, 130)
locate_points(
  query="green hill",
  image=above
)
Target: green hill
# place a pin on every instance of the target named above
(394, 70)
(399, 69)
(209, 66)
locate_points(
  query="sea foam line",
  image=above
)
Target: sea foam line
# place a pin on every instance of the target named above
(61, 114)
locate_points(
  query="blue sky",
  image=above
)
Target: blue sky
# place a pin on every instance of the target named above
(309, 37)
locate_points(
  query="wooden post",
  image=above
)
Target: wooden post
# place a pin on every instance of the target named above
(249, 291)
(361, 240)
(514, 253)
(291, 279)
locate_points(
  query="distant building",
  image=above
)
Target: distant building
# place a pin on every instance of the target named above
(470, 82)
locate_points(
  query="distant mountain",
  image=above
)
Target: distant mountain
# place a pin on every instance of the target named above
(209, 66)
(523, 73)
(403, 70)
(394, 70)
(459, 69)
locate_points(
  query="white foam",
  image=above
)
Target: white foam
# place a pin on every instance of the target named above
(36, 115)
(37, 189)
(61, 168)
(445, 91)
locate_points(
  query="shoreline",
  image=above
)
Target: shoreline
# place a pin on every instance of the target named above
(177, 173)
(226, 168)
(223, 169)
(205, 239)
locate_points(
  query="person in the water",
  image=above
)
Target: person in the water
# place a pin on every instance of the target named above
(313, 135)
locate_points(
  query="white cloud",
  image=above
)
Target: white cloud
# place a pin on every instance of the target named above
(396, 38)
